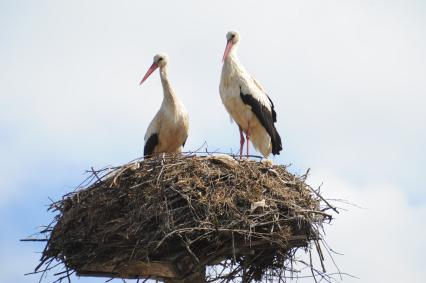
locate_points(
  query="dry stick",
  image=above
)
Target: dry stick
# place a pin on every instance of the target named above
(321, 256)
(222, 271)
(161, 173)
(238, 269)
(279, 275)
(44, 259)
(305, 176)
(63, 277)
(33, 240)
(233, 248)
(88, 180)
(189, 249)
(323, 199)
(329, 275)
(68, 274)
(41, 271)
(311, 266)
(95, 174)
(327, 248)
(244, 277)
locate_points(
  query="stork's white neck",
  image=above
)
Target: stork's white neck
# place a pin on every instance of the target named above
(232, 63)
(231, 66)
(232, 55)
(169, 94)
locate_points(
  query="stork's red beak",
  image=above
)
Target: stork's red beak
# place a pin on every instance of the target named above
(227, 49)
(151, 69)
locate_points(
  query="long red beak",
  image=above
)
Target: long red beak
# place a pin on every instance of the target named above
(227, 49)
(151, 69)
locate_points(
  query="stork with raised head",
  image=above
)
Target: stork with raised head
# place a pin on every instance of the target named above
(168, 131)
(247, 103)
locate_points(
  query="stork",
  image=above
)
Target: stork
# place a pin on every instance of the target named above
(168, 131)
(247, 103)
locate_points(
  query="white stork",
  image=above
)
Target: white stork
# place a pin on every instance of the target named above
(168, 131)
(247, 103)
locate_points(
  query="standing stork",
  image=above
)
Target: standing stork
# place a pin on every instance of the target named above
(168, 131)
(247, 103)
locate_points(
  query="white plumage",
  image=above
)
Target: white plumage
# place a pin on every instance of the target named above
(247, 103)
(168, 131)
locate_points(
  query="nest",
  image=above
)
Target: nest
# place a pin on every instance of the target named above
(170, 217)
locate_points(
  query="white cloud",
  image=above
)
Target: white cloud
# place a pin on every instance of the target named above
(382, 241)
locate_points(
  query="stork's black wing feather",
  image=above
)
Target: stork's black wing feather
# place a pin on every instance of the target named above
(184, 142)
(266, 117)
(274, 114)
(150, 144)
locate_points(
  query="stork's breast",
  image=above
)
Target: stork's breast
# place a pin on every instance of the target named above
(239, 111)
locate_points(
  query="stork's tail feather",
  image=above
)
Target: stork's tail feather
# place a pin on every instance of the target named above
(150, 144)
(276, 142)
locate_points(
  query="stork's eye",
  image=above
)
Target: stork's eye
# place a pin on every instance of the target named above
(159, 59)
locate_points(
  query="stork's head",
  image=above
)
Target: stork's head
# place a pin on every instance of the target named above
(232, 38)
(160, 60)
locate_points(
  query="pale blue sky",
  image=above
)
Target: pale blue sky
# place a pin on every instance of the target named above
(347, 79)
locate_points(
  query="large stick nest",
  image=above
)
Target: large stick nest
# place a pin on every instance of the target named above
(190, 212)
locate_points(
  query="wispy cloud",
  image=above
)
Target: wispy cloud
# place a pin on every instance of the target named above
(377, 233)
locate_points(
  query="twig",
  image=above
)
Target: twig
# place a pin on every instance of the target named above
(323, 199)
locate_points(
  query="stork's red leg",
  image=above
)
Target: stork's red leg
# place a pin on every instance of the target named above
(248, 140)
(241, 142)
